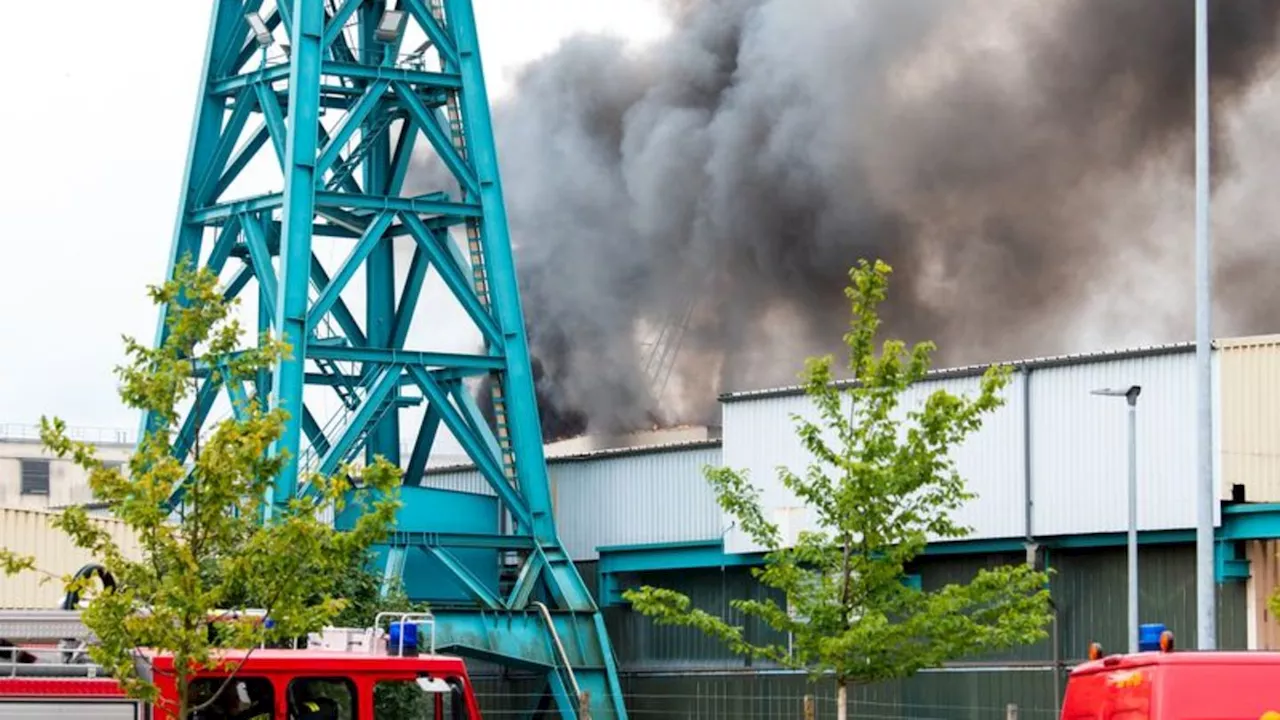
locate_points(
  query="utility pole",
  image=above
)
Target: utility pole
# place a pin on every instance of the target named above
(1207, 496)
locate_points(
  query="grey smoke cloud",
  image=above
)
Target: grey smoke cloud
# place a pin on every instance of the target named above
(999, 154)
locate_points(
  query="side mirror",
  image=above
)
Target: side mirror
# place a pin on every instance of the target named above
(433, 685)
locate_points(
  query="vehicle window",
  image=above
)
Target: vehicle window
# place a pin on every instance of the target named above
(244, 698)
(322, 699)
(404, 700)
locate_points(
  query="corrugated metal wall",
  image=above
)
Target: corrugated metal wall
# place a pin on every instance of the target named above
(28, 532)
(680, 673)
(759, 436)
(1088, 586)
(1249, 397)
(651, 497)
(624, 498)
(466, 479)
(1079, 447)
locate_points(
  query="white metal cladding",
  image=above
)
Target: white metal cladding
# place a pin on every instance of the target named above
(759, 436)
(640, 498)
(1080, 445)
(653, 496)
(465, 479)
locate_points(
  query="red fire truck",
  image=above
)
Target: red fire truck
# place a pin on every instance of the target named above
(376, 672)
(1159, 684)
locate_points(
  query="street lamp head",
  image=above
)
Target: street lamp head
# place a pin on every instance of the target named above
(1130, 393)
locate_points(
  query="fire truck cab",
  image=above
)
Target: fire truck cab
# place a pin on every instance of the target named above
(1157, 683)
(343, 673)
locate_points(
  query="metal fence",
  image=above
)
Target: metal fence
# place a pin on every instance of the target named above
(769, 706)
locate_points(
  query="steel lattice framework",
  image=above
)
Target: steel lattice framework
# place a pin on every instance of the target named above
(324, 92)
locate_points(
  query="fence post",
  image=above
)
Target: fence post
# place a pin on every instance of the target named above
(1011, 711)
(584, 706)
(809, 713)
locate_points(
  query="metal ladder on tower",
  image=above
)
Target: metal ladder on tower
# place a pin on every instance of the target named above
(584, 667)
(510, 562)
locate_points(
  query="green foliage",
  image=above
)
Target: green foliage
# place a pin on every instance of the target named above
(226, 547)
(878, 487)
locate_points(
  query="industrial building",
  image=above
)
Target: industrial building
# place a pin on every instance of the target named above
(1049, 471)
(31, 478)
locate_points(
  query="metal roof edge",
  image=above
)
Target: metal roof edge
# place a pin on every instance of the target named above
(604, 454)
(976, 370)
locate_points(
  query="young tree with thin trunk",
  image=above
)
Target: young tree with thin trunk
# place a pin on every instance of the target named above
(224, 548)
(880, 486)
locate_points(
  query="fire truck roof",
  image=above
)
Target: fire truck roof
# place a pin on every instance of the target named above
(1146, 659)
(267, 660)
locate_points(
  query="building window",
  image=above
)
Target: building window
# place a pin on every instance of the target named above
(35, 477)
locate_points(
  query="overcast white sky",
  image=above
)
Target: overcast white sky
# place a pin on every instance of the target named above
(96, 141)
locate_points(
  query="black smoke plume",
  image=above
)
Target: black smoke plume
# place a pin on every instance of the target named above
(1009, 159)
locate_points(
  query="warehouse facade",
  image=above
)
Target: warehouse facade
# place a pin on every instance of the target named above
(1049, 469)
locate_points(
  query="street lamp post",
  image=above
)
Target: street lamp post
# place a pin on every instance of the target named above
(1130, 394)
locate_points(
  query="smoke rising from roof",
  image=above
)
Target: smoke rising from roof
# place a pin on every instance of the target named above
(1025, 167)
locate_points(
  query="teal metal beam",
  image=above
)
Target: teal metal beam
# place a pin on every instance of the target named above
(334, 287)
(407, 358)
(295, 244)
(416, 79)
(460, 540)
(439, 38)
(1251, 521)
(435, 247)
(469, 581)
(348, 183)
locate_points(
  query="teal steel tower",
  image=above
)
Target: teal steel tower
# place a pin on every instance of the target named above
(310, 116)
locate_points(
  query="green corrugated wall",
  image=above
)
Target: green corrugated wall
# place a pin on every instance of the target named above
(682, 675)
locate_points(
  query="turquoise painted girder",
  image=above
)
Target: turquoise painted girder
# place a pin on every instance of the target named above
(341, 115)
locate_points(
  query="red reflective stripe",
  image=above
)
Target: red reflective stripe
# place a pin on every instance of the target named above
(59, 687)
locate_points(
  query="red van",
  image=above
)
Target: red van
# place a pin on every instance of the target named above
(1168, 685)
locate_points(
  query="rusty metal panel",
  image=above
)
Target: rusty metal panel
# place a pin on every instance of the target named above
(29, 532)
(1249, 398)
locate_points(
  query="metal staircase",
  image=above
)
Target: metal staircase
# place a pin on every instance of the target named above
(509, 563)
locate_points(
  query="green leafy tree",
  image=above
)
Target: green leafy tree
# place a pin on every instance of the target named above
(224, 547)
(879, 486)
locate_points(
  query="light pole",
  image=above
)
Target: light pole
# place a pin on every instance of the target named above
(1207, 491)
(1130, 394)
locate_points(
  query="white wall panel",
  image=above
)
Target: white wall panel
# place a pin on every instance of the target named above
(622, 498)
(466, 479)
(759, 436)
(1080, 445)
(630, 499)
